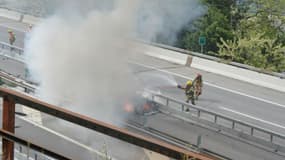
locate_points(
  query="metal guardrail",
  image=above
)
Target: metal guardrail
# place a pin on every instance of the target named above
(12, 48)
(273, 137)
(27, 86)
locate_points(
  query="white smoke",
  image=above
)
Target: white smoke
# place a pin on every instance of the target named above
(79, 56)
(161, 20)
(82, 64)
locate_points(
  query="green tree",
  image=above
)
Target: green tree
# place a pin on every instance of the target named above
(259, 38)
(265, 15)
(220, 21)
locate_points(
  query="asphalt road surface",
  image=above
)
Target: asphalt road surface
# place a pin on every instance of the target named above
(253, 104)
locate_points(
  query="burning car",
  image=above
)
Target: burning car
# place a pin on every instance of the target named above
(140, 104)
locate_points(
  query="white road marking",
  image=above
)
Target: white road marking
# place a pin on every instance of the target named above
(63, 136)
(213, 85)
(244, 94)
(252, 117)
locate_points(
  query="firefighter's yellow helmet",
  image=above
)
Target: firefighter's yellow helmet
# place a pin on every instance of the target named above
(189, 82)
(10, 31)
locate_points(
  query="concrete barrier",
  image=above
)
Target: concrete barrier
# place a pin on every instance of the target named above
(256, 78)
(10, 14)
(13, 15)
(189, 61)
(216, 59)
(212, 66)
(31, 19)
(167, 55)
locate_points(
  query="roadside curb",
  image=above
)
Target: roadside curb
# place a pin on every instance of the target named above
(30, 19)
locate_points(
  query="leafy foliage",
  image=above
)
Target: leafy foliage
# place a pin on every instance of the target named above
(245, 31)
(218, 22)
(259, 40)
(256, 51)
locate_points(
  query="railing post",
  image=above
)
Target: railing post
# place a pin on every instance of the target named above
(8, 124)
(199, 113)
(216, 118)
(233, 125)
(271, 137)
(251, 131)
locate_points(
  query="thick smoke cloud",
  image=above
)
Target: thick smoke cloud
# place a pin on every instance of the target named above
(79, 55)
(161, 20)
(82, 63)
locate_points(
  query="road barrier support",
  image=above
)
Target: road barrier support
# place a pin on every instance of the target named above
(8, 125)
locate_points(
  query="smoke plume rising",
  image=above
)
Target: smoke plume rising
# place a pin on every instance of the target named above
(82, 63)
(79, 55)
(161, 20)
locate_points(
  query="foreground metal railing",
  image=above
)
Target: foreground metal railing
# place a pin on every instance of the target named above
(218, 120)
(8, 137)
(10, 98)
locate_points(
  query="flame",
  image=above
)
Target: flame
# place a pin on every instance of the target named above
(146, 107)
(129, 107)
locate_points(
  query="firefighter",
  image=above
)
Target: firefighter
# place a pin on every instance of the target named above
(189, 91)
(12, 37)
(198, 85)
(30, 28)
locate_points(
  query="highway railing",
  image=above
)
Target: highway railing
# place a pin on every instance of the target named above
(10, 79)
(32, 88)
(220, 120)
(11, 48)
(11, 98)
(28, 150)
